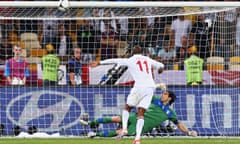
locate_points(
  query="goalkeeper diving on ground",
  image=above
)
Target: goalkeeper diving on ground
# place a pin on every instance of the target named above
(158, 112)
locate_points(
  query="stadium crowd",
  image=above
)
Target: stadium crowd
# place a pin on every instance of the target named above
(165, 39)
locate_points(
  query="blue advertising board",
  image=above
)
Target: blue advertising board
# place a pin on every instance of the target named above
(210, 111)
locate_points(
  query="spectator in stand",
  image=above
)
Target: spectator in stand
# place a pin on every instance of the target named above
(159, 31)
(109, 42)
(26, 25)
(107, 13)
(167, 55)
(200, 36)
(95, 23)
(48, 27)
(16, 68)
(191, 17)
(237, 48)
(74, 68)
(222, 37)
(1, 30)
(180, 27)
(231, 20)
(122, 26)
(99, 25)
(133, 26)
(8, 26)
(182, 53)
(149, 43)
(148, 12)
(62, 42)
(142, 35)
(5, 50)
(88, 41)
(50, 65)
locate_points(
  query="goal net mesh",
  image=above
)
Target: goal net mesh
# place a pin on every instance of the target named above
(167, 34)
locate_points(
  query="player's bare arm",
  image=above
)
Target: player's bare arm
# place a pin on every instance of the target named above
(119, 61)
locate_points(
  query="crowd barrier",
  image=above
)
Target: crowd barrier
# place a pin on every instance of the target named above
(209, 110)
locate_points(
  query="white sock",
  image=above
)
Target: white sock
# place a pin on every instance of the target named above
(139, 127)
(125, 116)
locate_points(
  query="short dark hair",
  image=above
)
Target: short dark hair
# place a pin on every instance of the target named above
(172, 96)
(136, 50)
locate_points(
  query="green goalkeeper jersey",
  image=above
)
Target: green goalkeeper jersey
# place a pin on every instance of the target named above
(153, 117)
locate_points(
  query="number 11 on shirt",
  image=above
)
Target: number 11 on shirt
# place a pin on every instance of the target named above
(143, 64)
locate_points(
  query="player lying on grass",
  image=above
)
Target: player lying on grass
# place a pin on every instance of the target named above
(158, 112)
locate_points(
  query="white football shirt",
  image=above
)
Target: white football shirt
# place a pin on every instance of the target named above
(140, 67)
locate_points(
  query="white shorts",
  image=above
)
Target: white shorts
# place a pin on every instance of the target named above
(140, 97)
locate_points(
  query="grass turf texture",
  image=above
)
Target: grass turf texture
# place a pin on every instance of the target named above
(123, 141)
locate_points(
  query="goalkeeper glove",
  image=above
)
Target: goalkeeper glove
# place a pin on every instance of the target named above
(192, 133)
(162, 86)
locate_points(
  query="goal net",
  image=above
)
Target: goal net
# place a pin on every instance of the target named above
(207, 102)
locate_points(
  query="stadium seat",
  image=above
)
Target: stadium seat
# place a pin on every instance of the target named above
(32, 67)
(24, 53)
(28, 36)
(37, 52)
(234, 63)
(13, 38)
(176, 66)
(30, 41)
(33, 61)
(215, 63)
(122, 46)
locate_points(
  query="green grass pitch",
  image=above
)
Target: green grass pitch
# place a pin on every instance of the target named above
(123, 141)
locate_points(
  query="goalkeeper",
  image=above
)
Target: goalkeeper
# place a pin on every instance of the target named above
(158, 112)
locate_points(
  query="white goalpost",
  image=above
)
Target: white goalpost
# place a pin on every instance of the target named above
(167, 32)
(77, 4)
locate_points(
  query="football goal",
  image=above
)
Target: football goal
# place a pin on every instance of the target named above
(76, 33)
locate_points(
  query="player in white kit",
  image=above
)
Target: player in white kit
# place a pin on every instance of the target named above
(140, 67)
